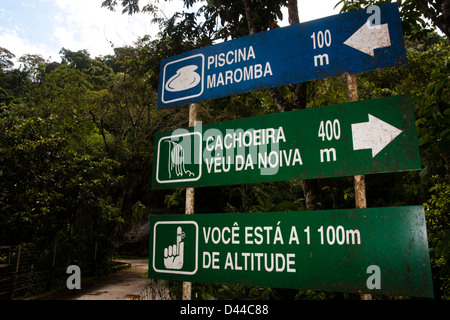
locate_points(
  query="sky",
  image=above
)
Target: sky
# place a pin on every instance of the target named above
(45, 26)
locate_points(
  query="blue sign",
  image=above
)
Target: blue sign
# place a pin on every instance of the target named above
(352, 42)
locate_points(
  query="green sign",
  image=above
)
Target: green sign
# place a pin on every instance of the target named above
(340, 140)
(380, 250)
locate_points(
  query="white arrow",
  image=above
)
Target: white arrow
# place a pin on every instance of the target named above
(367, 38)
(375, 134)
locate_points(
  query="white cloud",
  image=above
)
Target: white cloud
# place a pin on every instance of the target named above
(19, 46)
(84, 24)
(45, 26)
(316, 9)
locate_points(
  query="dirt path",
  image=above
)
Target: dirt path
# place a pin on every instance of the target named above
(114, 287)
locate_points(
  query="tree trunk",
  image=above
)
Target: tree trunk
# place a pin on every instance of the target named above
(293, 12)
(311, 188)
(446, 18)
(248, 16)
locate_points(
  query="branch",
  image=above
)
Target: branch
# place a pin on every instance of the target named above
(442, 21)
(110, 4)
(100, 127)
(278, 99)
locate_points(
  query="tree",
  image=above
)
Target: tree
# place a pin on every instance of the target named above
(47, 185)
(5, 59)
(438, 11)
(14, 83)
(99, 74)
(237, 18)
(310, 187)
(77, 137)
(31, 64)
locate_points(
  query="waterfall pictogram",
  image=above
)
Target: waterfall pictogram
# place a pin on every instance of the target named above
(177, 161)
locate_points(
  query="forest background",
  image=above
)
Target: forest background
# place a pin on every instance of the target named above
(76, 136)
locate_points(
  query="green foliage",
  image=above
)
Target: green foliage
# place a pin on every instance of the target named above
(238, 292)
(274, 197)
(437, 210)
(46, 183)
(5, 59)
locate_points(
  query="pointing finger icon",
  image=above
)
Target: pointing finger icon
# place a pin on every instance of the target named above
(174, 254)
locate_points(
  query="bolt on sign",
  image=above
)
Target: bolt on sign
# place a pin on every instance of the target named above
(352, 42)
(377, 250)
(360, 137)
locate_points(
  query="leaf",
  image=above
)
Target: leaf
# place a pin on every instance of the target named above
(207, 296)
(286, 206)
